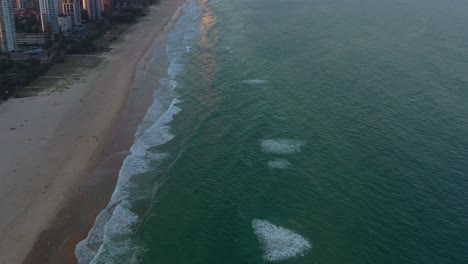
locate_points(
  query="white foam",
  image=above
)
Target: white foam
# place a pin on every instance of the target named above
(182, 35)
(87, 249)
(121, 223)
(279, 164)
(279, 117)
(109, 237)
(109, 241)
(174, 85)
(116, 244)
(255, 82)
(175, 68)
(152, 115)
(279, 243)
(281, 146)
(137, 162)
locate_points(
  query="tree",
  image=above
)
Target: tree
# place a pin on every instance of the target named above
(5, 62)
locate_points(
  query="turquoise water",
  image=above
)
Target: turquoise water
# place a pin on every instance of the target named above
(302, 131)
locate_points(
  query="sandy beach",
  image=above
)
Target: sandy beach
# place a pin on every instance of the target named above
(60, 152)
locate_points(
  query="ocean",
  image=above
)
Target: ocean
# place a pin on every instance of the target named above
(300, 131)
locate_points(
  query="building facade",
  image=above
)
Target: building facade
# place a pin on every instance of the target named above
(7, 27)
(72, 8)
(32, 39)
(18, 4)
(33, 4)
(59, 4)
(65, 24)
(106, 6)
(93, 7)
(49, 16)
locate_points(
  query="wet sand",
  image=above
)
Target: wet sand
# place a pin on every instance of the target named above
(61, 153)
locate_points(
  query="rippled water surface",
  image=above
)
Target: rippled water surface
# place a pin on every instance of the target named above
(302, 131)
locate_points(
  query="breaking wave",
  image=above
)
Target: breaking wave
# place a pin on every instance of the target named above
(279, 243)
(255, 82)
(281, 146)
(279, 164)
(110, 240)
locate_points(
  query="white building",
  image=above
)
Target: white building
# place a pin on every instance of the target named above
(72, 8)
(7, 27)
(65, 24)
(49, 16)
(94, 8)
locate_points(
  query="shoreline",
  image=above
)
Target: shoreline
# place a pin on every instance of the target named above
(72, 147)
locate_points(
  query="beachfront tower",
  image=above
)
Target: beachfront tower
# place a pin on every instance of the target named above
(72, 8)
(94, 8)
(58, 4)
(17, 4)
(106, 6)
(7, 27)
(49, 16)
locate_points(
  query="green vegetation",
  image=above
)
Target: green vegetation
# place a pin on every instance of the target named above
(27, 23)
(16, 74)
(87, 45)
(128, 15)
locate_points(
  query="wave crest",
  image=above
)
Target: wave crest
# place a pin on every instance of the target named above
(281, 146)
(279, 243)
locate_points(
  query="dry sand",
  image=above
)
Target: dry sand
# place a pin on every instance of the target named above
(51, 145)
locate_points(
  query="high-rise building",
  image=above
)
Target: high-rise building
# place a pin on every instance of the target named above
(65, 24)
(94, 8)
(72, 8)
(59, 6)
(49, 19)
(20, 4)
(106, 5)
(7, 27)
(34, 4)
